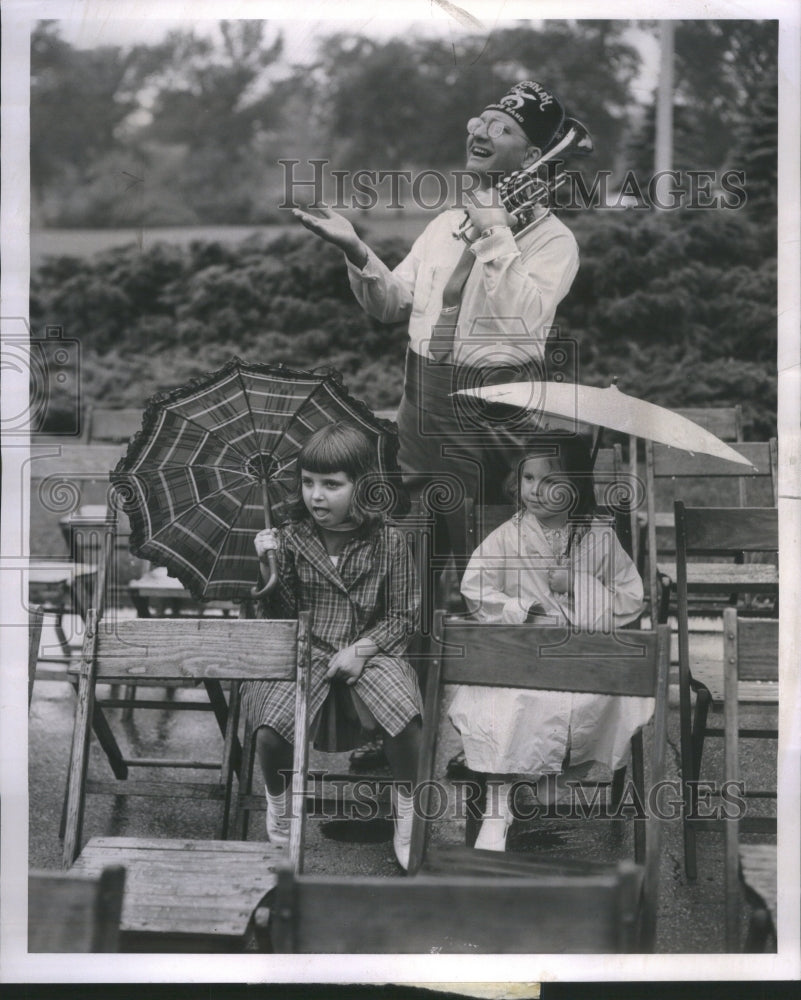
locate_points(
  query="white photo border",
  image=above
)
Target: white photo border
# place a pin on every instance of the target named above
(16, 964)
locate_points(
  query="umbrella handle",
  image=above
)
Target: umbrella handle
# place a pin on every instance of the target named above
(272, 579)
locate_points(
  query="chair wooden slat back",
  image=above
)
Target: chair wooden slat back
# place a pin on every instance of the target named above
(75, 913)
(751, 653)
(548, 658)
(725, 422)
(160, 649)
(678, 464)
(757, 651)
(623, 663)
(713, 531)
(458, 914)
(689, 474)
(709, 531)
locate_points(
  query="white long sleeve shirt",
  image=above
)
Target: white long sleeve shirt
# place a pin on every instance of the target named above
(508, 302)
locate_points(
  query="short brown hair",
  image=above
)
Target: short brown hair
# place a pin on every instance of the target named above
(340, 447)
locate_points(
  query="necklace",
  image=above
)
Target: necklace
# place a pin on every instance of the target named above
(558, 539)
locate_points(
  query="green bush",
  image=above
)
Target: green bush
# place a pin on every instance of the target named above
(680, 306)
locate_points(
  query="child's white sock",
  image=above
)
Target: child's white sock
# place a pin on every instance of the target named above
(278, 816)
(497, 818)
(404, 814)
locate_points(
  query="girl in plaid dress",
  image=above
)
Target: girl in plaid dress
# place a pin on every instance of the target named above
(356, 576)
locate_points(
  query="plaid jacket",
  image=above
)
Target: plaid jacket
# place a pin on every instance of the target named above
(373, 592)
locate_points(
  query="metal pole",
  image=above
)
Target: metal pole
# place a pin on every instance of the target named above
(663, 151)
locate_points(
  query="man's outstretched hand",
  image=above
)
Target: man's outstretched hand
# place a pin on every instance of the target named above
(336, 229)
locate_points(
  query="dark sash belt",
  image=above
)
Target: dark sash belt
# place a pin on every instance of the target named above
(429, 384)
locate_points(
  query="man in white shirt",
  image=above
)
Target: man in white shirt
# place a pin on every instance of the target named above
(501, 295)
(475, 316)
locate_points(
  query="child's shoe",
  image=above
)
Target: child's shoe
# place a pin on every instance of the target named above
(497, 819)
(404, 814)
(278, 817)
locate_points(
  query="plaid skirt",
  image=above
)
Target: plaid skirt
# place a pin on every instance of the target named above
(387, 686)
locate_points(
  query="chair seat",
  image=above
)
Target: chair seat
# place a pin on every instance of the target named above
(758, 872)
(757, 578)
(206, 890)
(710, 674)
(455, 859)
(53, 571)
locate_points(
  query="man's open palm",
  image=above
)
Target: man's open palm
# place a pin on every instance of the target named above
(329, 226)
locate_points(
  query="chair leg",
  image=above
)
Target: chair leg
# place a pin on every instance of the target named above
(108, 742)
(220, 707)
(618, 784)
(62, 823)
(687, 759)
(227, 768)
(118, 766)
(245, 787)
(692, 740)
(129, 693)
(475, 811)
(703, 699)
(760, 928)
(638, 778)
(664, 600)
(61, 635)
(689, 800)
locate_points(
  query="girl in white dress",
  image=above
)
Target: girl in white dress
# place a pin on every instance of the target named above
(553, 563)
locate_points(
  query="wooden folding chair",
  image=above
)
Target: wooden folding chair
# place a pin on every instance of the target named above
(713, 532)
(126, 699)
(577, 913)
(75, 913)
(701, 481)
(525, 656)
(751, 677)
(189, 894)
(609, 482)
(725, 422)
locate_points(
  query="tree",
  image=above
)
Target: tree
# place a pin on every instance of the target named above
(209, 96)
(112, 129)
(722, 69)
(756, 149)
(405, 101)
(79, 101)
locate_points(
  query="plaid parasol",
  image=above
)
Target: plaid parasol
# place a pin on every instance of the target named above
(192, 479)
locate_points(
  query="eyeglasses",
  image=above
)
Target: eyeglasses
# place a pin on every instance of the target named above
(495, 129)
